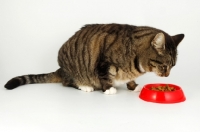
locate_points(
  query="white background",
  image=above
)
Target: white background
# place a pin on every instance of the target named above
(31, 33)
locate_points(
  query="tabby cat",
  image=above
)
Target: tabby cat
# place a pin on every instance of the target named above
(101, 56)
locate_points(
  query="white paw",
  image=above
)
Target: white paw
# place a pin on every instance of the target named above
(110, 91)
(137, 89)
(86, 88)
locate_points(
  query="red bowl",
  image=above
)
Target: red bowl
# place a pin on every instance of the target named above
(162, 96)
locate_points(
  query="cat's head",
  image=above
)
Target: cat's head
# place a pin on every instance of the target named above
(162, 54)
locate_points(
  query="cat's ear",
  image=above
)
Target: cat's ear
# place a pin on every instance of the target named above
(159, 42)
(178, 38)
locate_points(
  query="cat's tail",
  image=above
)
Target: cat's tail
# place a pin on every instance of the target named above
(53, 77)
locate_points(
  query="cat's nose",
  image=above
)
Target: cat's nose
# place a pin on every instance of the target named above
(166, 74)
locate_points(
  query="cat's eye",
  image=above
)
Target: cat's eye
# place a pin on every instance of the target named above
(164, 67)
(156, 61)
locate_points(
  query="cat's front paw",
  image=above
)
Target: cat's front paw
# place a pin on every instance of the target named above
(111, 91)
(133, 86)
(137, 88)
(86, 88)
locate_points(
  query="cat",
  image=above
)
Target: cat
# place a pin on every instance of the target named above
(102, 56)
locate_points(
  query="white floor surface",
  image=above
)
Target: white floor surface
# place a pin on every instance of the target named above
(54, 108)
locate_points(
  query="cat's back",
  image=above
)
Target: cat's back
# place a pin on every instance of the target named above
(117, 28)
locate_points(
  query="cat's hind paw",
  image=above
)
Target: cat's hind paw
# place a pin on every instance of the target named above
(111, 91)
(86, 88)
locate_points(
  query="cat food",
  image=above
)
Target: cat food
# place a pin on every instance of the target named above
(165, 88)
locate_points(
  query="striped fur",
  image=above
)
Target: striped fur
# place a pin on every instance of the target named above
(53, 77)
(98, 55)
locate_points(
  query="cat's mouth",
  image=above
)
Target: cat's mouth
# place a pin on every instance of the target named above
(166, 74)
(161, 74)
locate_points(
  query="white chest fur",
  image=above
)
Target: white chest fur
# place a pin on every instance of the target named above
(122, 77)
(120, 82)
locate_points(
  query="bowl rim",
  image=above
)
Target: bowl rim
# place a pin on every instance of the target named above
(146, 86)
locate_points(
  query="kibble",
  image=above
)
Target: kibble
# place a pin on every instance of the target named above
(165, 88)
